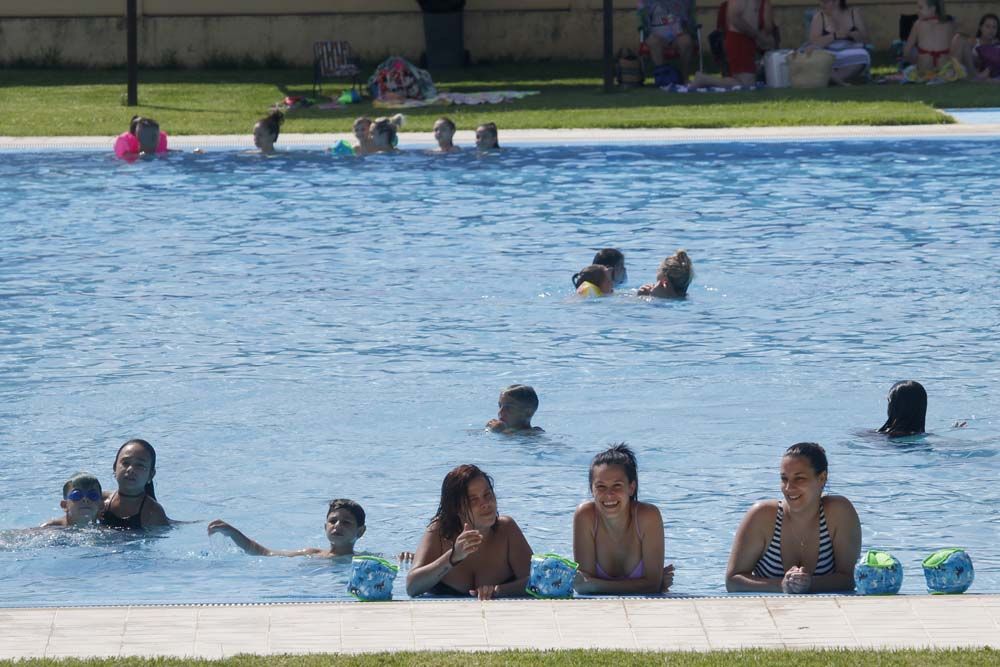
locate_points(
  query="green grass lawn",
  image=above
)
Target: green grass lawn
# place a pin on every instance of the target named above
(764, 658)
(91, 102)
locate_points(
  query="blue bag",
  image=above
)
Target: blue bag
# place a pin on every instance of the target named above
(948, 571)
(878, 573)
(666, 75)
(551, 576)
(371, 578)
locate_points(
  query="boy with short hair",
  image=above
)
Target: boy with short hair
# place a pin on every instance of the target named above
(345, 524)
(615, 261)
(517, 405)
(82, 500)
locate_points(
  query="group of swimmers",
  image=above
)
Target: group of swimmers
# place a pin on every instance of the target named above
(803, 542)
(608, 271)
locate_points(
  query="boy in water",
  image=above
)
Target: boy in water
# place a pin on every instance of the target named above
(517, 404)
(345, 524)
(82, 500)
(615, 261)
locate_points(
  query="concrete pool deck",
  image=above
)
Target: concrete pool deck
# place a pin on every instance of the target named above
(465, 138)
(645, 624)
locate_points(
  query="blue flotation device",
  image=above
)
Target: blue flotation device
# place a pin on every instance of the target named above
(551, 576)
(371, 578)
(878, 573)
(948, 571)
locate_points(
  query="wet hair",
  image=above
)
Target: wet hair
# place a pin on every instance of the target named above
(594, 273)
(145, 128)
(907, 409)
(272, 123)
(812, 452)
(387, 127)
(81, 480)
(152, 462)
(622, 455)
(455, 499)
(491, 128)
(677, 271)
(359, 121)
(349, 505)
(987, 17)
(609, 257)
(523, 394)
(448, 122)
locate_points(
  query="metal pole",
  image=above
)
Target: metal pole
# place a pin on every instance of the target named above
(131, 23)
(609, 46)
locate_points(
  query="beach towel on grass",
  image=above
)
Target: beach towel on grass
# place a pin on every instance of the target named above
(488, 97)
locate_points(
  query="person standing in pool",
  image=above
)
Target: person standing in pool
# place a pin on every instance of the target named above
(133, 506)
(617, 540)
(469, 548)
(444, 134)
(614, 260)
(266, 130)
(515, 408)
(672, 278)
(907, 409)
(803, 543)
(487, 138)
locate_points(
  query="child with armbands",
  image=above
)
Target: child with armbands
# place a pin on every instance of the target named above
(444, 134)
(345, 524)
(82, 501)
(487, 138)
(672, 278)
(384, 133)
(266, 130)
(517, 405)
(143, 138)
(595, 280)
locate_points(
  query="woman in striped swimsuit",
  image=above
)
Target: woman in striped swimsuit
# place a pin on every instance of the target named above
(803, 543)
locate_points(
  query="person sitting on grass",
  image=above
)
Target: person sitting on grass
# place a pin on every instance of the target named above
(345, 524)
(266, 130)
(384, 133)
(930, 46)
(749, 31)
(469, 548)
(615, 261)
(594, 280)
(840, 30)
(82, 501)
(444, 133)
(672, 278)
(516, 407)
(980, 55)
(487, 138)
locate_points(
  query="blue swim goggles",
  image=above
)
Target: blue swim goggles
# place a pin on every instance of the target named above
(76, 495)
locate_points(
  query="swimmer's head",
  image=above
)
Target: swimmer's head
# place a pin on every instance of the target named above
(361, 128)
(487, 137)
(803, 474)
(614, 471)
(615, 261)
(383, 132)
(517, 405)
(466, 497)
(266, 130)
(444, 131)
(345, 524)
(676, 271)
(147, 131)
(82, 499)
(135, 467)
(907, 409)
(595, 274)
(989, 25)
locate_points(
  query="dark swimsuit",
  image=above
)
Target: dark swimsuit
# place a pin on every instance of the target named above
(133, 522)
(822, 18)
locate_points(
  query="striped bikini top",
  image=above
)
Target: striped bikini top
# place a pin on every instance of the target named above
(770, 565)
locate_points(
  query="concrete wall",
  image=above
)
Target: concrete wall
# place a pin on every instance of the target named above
(191, 32)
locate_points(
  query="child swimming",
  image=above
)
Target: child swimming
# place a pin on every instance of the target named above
(384, 133)
(615, 529)
(907, 409)
(82, 501)
(487, 138)
(516, 407)
(362, 132)
(345, 525)
(266, 130)
(444, 133)
(143, 138)
(595, 280)
(672, 278)
(133, 506)
(615, 261)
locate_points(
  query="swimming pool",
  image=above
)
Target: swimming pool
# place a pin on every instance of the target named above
(289, 330)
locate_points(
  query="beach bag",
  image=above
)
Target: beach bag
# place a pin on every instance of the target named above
(666, 75)
(810, 70)
(948, 571)
(398, 79)
(551, 576)
(878, 573)
(628, 71)
(371, 578)
(776, 72)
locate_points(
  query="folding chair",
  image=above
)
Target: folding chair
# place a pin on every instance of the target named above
(671, 52)
(333, 60)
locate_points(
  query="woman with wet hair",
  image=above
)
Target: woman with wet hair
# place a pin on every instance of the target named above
(266, 130)
(907, 409)
(468, 547)
(805, 542)
(672, 278)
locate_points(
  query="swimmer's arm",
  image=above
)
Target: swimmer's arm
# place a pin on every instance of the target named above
(749, 543)
(845, 533)
(519, 559)
(58, 522)
(911, 42)
(242, 541)
(430, 565)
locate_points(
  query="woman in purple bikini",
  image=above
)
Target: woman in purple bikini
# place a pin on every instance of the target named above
(617, 540)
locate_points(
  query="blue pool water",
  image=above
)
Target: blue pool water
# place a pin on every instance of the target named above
(289, 330)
